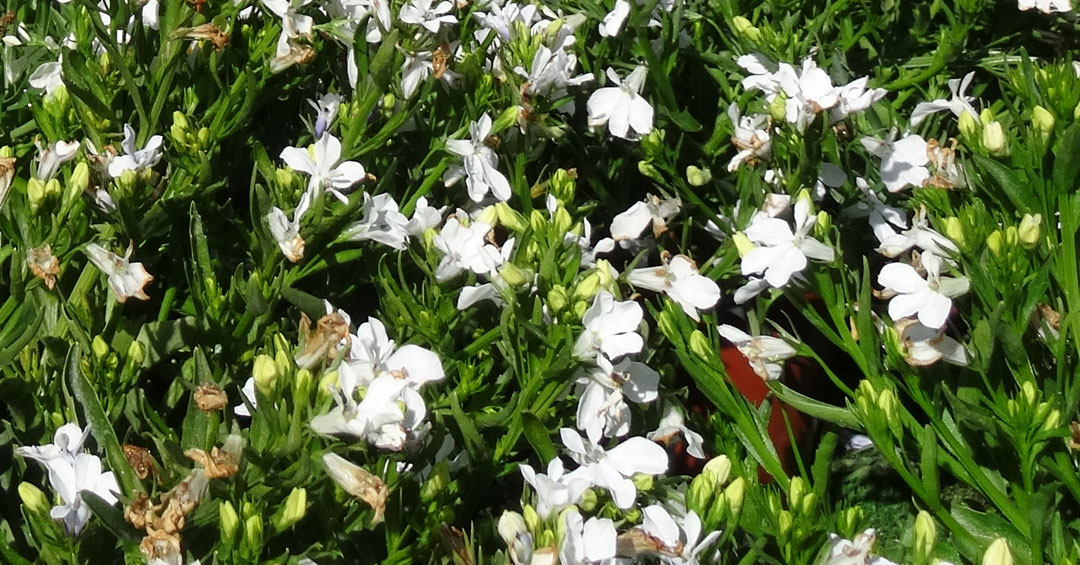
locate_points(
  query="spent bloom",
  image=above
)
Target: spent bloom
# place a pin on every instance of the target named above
(479, 163)
(929, 298)
(287, 233)
(750, 138)
(680, 280)
(621, 107)
(126, 279)
(325, 167)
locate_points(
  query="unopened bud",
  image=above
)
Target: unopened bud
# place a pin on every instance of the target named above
(33, 499)
(136, 354)
(1030, 230)
(969, 128)
(646, 168)
(562, 221)
(925, 536)
(228, 521)
(734, 494)
(785, 521)
(699, 496)
(35, 192)
(996, 242)
(998, 553)
(513, 275)
(587, 288)
(253, 533)
(742, 243)
(1043, 121)
(285, 177)
(99, 348)
(993, 139)
(506, 119)
(701, 347)
(744, 28)
(1053, 420)
(265, 373)
(557, 298)
(1029, 393)
(954, 230)
(510, 218)
(778, 107)
(643, 482)
(698, 177)
(796, 490)
(719, 468)
(292, 511)
(531, 517)
(488, 215)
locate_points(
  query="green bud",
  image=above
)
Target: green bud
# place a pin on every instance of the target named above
(136, 354)
(698, 177)
(998, 553)
(653, 142)
(849, 520)
(285, 177)
(1013, 407)
(35, 192)
(809, 501)
(588, 286)
(507, 118)
(563, 184)
(1029, 393)
(510, 218)
(986, 116)
(56, 103)
(557, 298)
(969, 128)
(995, 241)
(954, 230)
(228, 521)
(607, 281)
(646, 168)
(1052, 421)
(488, 215)
(532, 519)
(699, 496)
(302, 382)
(744, 28)
(734, 494)
(718, 510)
(643, 482)
(823, 224)
(7, 152)
(253, 534)
(785, 522)
(265, 373)
(778, 107)
(796, 491)
(562, 221)
(203, 137)
(33, 499)
(993, 139)
(513, 275)
(99, 348)
(719, 468)
(1043, 121)
(537, 220)
(742, 243)
(925, 536)
(1030, 230)
(292, 511)
(79, 181)
(589, 500)
(701, 346)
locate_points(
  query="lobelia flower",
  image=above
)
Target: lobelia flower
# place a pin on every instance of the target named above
(614, 20)
(465, 248)
(627, 226)
(766, 354)
(71, 477)
(48, 76)
(382, 222)
(925, 346)
(903, 162)
(854, 97)
(857, 552)
(808, 92)
(782, 252)
(125, 278)
(326, 110)
(930, 298)
(1046, 6)
(621, 107)
(424, 217)
(920, 234)
(873, 204)
(293, 25)
(673, 423)
(602, 408)
(248, 392)
(680, 540)
(420, 12)
(749, 138)
(587, 542)
(611, 469)
(479, 162)
(52, 156)
(135, 159)
(286, 233)
(325, 167)
(551, 73)
(554, 490)
(680, 280)
(67, 443)
(610, 330)
(957, 104)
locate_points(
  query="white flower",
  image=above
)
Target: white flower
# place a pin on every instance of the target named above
(627, 226)
(126, 279)
(325, 167)
(382, 222)
(420, 12)
(52, 156)
(610, 330)
(286, 233)
(750, 139)
(132, 159)
(326, 110)
(873, 204)
(293, 25)
(957, 104)
(480, 163)
(555, 490)
(621, 107)
(248, 392)
(903, 162)
(612, 469)
(673, 423)
(781, 253)
(854, 97)
(614, 20)
(765, 354)
(846, 552)
(67, 443)
(390, 413)
(465, 248)
(680, 544)
(551, 73)
(73, 476)
(808, 93)
(920, 234)
(48, 76)
(586, 542)
(926, 346)
(929, 298)
(424, 217)
(602, 409)
(679, 279)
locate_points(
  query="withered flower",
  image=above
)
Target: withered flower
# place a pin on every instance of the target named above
(43, 264)
(210, 398)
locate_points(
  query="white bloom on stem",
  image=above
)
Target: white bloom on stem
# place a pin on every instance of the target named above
(614, 20)
(602, 408)
(808, 92)
(325, 167)
(48, 76)
(760, 78)
(287, 233)
(554, 490)
(873, 204)
(479, 162)
(135, 159)
(925, 346)
(382, 222)
(903, 162)
(420, 12)
(293, 25)
(680, 280)
(611, 469)
(611, 330)
(67, 443)
(766, 354)
(752, 141)
(248, 393)
(929, 298)
(673, 423)
(125, 278)
(587, 541)
(857, 552)
(854, 97)
(551, 73)
(782, 252)
(1046, 6)
(424, 217)
(920, 234)
(52, 156)
(681, 543)
(958, 103)
(326, 109)
(465, 248)
(621, 107)
(71, 477)
(627, 226)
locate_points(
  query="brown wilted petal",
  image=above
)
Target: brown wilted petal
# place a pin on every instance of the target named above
(140, 512)
(210, 398)
(329, 331)
(163, 546)
(43, 264)
(216, 464)
(358, 482)
(140, 460)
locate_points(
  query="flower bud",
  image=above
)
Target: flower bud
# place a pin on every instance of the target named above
(488, 215)
(586, 289)
(99, 348)
(6, 152)
(202, 137)
(925, 536)
(537, 220)
(589, 501)
(228, 521)
(734, 494)
(996, 242)
(646, 168)
(701, 347)
(563, 184)
(265, 373)
(698, 177)
(785, 521)
(699, 496)
(744, 28)
(35, 192)
(778, 107)
(136, 354)
(998, 553)
(993, 139)
(506, 119)
(607, 281)
(513, 275)
(796, 491)
(1043, 121)
(1030, 230)
(969, 128)
(285, 177)
(516, 536)
(56, 103)
(562, 221)
(808, 503)
(510, 218)
(1053, 420)
(954, 230)
(1029, 393)
(1042, 411)
(823, 224)
(532, 519)
(719, 468)
(33, 499)
(253, 534)
(292, 511)
(557, 298)
(742, 243)
(302, 383)
(643, 482)
(986, 116)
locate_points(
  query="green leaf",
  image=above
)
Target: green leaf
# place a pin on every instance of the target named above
(1015, 189)
(163, 339)
(1066, 163)
(928, 463)
(112, 516)
(100, 426)
(537, 434)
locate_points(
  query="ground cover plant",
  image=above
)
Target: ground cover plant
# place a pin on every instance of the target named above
(675, 281)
